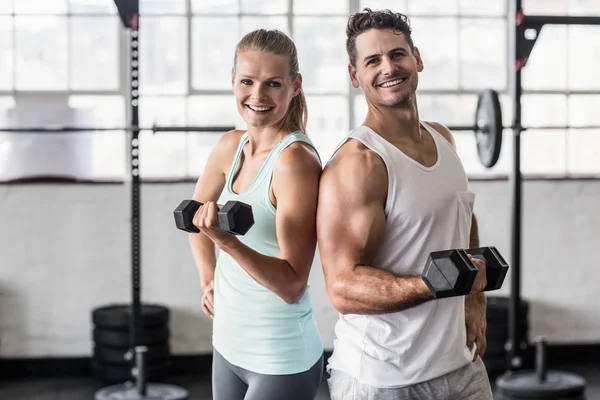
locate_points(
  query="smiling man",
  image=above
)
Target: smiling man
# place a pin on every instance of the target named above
(394, 191)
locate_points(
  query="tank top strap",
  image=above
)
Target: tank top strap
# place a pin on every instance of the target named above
(266, 171)
(236, 160)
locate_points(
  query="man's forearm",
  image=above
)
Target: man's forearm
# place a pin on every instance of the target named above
(369, 290)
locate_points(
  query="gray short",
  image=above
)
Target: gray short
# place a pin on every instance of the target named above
(470, 382)
(230, 382)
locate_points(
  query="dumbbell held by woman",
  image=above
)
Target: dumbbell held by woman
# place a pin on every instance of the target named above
(235, 217)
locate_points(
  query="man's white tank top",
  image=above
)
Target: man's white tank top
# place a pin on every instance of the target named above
(427, 209)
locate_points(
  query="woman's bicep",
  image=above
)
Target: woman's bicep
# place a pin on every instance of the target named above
(296, 187)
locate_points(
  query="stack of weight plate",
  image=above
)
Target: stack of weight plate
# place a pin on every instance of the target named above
(110, 363)
(497, 332)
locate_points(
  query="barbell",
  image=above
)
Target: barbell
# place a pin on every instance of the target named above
(488, 127)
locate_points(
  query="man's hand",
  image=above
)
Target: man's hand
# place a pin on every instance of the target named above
(476, 324)
(208, 300)
(481, 279)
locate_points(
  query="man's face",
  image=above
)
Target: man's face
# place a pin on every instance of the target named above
(387, 69)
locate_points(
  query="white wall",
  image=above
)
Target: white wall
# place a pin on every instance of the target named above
(64, 249)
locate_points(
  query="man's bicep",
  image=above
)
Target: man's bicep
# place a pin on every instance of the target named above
(350, 224)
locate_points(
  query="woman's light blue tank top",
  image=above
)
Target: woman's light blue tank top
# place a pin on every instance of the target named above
(253, 328)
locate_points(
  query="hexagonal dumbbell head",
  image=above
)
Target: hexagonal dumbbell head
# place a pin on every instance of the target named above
(496, 267)
(449, 273)
(184, 214)
(236, 217)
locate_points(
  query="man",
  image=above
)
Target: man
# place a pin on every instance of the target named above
(393, 192)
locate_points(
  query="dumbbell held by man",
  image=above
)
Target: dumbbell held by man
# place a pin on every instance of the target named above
(235, 217)
(451, 273)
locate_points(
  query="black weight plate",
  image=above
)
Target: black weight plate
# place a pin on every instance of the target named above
(526, 385)
(117, 316)
(488, 120)
(109, 355)
(120, 339)
(154, 391)
(117, 374)
(497, 309)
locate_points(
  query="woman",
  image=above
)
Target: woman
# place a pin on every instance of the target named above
(265, 339)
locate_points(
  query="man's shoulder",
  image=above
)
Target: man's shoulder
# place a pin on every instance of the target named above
(442, 130)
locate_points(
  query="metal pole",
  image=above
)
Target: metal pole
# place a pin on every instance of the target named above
(515, 18)
(136, 325)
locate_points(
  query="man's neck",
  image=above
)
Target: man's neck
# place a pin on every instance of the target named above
(395, 123)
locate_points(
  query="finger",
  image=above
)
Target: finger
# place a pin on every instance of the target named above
(471, 336)
(210, 299)
(209, 305)
(206, 311)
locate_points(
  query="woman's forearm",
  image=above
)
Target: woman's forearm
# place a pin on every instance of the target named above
(203, 251)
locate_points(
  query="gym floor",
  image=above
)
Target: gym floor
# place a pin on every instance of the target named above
(198, 386)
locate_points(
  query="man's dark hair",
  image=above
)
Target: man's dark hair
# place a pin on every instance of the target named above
(367, 19)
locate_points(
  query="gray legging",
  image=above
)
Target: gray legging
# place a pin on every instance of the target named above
(234, 383)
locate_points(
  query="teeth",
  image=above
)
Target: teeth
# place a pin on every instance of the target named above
(392, 83)
(259, 108)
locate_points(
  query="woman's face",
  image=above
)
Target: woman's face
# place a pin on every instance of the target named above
(263, 87)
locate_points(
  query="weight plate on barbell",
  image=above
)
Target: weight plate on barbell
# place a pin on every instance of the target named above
(488, 120)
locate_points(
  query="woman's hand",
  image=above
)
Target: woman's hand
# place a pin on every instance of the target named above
(206, 219)
(208, 300)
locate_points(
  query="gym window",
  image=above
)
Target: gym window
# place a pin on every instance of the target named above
(76, 51)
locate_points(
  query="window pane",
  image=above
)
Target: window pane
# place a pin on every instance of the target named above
(584, 7)
(584, 57)
(543, 151)
(101, 111)
(482, 7)
(215, 6)
(162, 155)
(94, 53)
(41, 53)
(43, 7)
(437, 39)
(163, 55)
(321, 44)
(213, 59)
(545, 7)
(6, 7)
(108, 149)
(544, 110)
(251, 23)
(265, 6)
(583, 151)
(394, 5)
(208, 111)
(550, 50)
(432, 7)
(6, 51)
(483, 53)
(583, 110)
(162, 7)
(447, 109)
(164, 111)
(327, 123)
(317, 7)
(92, 7)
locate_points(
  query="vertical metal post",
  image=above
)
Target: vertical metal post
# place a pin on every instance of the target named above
(515, 19)
(136, 323)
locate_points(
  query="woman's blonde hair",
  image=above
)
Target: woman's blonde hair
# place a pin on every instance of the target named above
(276, 42)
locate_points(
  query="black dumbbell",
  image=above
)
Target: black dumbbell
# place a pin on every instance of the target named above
(234, 217)
(450, 273)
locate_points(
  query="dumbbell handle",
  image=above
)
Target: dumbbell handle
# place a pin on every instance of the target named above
(496, 266)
